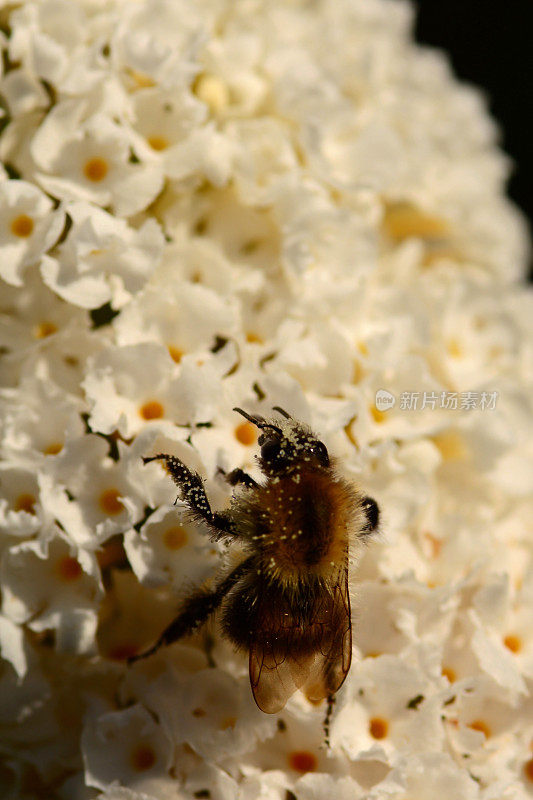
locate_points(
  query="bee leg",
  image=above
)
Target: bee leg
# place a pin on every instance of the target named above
(193, 493)
(195, 610)
(327, 719)
(239, 476)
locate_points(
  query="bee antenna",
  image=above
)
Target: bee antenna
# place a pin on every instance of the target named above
(258, 421)
(282, 412)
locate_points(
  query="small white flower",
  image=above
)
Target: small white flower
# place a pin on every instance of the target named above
(28, 228)
(391, 708)
(137, 384)
(210, 710)
(319, 358)
(157, 43)
(46, 586)
(24, 408)
(88, 159)
(169, 549)
(21, 511)
(33, 318)
(141, 752)
(164, 120)
(89, 493)
(103, 259)
(207, 154)
(297, 747)
(480, 716)
(189, 318)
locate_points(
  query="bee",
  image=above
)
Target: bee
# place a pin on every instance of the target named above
(287, 601)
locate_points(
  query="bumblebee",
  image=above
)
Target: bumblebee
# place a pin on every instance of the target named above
(287, 602)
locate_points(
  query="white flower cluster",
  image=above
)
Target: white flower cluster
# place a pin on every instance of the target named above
(210, 203)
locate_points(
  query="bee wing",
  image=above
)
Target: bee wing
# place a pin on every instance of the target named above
(289, 650)
(333, 658)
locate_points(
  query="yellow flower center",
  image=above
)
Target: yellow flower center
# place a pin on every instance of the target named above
(158, 142)
(451, 446)
(403, 220)
(53, 449)
(377, 415)
(175, 353)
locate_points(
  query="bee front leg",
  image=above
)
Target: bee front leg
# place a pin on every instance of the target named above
(193, 493)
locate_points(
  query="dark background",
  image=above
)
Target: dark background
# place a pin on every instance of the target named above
(489, 44)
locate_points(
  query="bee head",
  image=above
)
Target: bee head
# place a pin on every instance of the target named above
(287, 445)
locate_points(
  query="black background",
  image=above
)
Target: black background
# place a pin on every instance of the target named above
(489, 44)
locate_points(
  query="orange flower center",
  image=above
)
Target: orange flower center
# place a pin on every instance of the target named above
(143, 758)
(513, 643)
(96, 169)
(110, 503)
(25, 502)
(303, 761)
(378, 728)
(53, 449)
(245, 433)
(152, 410)
(175, 353)
(44, 329)
(174, 538)
(480, 725)
(22, 226)
(69, 568)
(449, 673)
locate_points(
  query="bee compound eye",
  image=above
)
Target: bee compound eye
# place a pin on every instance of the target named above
(371, 509)
(320, 452)
(270, 450)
